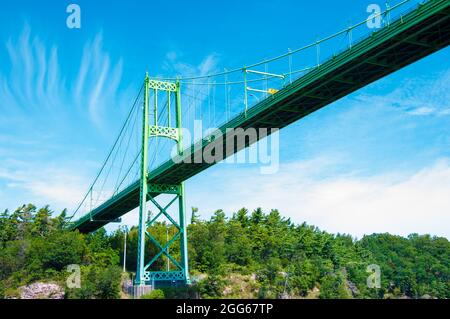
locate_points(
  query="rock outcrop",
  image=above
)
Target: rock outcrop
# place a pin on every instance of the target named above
(40, 290)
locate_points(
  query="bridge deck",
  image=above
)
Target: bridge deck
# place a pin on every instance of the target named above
(418, 34)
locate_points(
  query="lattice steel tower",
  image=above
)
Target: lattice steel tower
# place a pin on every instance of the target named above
(148, 190)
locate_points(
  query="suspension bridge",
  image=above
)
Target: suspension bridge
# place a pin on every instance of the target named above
(142, 168)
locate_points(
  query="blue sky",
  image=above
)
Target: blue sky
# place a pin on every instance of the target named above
(377, 160)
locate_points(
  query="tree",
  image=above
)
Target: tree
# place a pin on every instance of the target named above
(211, 287)
(242, 217)
(333, 286)
(238, 246)
(194, 217)
(41, 222)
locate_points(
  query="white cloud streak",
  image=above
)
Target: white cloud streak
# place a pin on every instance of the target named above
(418, 96)
(38, 103)
(36, 83)
(173, 65)
(414, 202)
(41, 184)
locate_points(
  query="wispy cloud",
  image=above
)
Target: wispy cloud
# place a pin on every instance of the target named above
(207, 65)
(400, 203)
(36, 82)
(45, 102)
(41, 183)
(418, 96)
(196, 97)
(98, 78)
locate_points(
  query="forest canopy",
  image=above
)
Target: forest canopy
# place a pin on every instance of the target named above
(247, 255)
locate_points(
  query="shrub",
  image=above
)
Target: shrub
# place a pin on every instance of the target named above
(154, 294)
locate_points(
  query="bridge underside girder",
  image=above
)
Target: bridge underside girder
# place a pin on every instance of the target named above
(417, 35)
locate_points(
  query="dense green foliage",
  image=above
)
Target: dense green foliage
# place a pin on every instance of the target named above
(264, 255)
(35, 247)
(154, 294)
(294, 259)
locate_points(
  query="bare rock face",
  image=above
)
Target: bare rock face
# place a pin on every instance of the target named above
(40, 290)
(353, 288)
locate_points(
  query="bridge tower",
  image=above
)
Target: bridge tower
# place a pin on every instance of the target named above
(149, 191)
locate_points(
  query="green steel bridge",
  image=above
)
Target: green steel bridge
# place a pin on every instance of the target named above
(247, 97)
